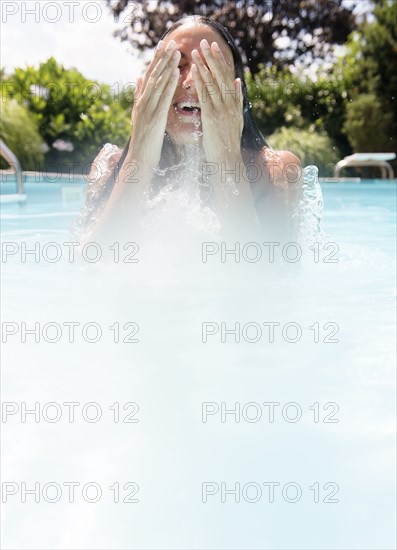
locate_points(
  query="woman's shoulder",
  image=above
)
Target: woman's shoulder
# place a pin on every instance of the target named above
(283, 168)
(106, 159)
(109, 149)
(272, 156)
(102, 167)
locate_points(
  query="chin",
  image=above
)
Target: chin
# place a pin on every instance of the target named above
(185, 136)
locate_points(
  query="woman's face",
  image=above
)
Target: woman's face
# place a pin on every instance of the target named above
(182, 123)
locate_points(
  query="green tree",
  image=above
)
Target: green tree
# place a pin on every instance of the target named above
(310, 146)
(280, 98)
(380, 52)
(369, 73)
(75, 116)
(307, 28)
(367, 125)
(18, 130)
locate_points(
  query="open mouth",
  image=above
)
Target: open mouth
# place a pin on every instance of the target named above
(187, 108)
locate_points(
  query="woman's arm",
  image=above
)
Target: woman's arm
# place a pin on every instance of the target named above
(97, 191)
(123, 210)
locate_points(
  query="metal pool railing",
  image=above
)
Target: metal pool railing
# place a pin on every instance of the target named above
(11, 158)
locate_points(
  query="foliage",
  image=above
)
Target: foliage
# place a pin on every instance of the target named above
(380, 50)
(282, 99)
(19, 132)
(74, 115)
(367, 125)
(307, 29)
(369, 72)
(311, 147)
(353, 103)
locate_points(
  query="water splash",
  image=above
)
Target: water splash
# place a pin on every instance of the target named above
(181, 198)
(180, 202)
(170, 373)
(197, 121)
(310, 208)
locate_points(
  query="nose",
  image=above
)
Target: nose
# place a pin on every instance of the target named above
(187, 79)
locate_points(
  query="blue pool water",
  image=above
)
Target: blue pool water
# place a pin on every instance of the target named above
(48, 205)
(171, 373)
(364, 211)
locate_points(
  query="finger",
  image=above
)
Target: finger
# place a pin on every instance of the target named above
(209, 86)
(164, 65)
(139, 87)
(156, 57)
(162, 99)
(206, 104)
(217, 64)
(240, 100)
(162, 70)
(169, 91)
(238, 88)
(161, 57)
(159, 80)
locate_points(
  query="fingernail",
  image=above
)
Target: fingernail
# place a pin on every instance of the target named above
(205, 44)
(170, 45)
(160, 45)
(216, 47)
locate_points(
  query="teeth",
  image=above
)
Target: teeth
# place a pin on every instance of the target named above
(183, 104)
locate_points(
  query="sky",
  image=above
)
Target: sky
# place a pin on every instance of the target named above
(78, 33)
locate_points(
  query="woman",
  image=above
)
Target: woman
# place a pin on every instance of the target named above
(194, 93)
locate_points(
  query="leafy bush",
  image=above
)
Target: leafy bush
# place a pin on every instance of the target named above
(309, 146)
(75, 116)
(367, 126)
(368, 71)
(282, 99)
(18, 130)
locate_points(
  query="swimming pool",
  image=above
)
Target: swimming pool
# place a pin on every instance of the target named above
(49, 205)
(205, 374)
(363, 210)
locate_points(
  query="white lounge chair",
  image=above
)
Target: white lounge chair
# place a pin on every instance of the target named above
(368, 159)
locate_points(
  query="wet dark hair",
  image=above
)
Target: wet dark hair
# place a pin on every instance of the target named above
(251, 138)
